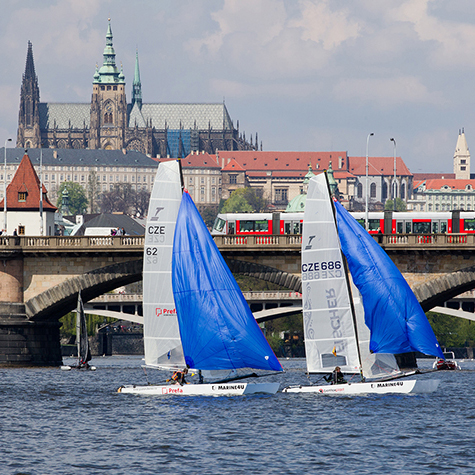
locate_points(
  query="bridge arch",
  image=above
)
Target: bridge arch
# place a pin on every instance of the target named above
(266, 273)
(62, 298)
(436, 291)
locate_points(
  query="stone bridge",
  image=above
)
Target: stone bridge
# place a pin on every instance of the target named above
(40, 277)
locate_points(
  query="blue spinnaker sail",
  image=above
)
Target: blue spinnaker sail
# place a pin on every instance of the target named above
(217, 328)
(392, 313)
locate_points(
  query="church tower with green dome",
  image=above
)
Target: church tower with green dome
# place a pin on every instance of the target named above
(298, 203)
(108, 104)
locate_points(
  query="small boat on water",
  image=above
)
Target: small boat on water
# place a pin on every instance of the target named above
(82, 342)
(195, 315)
(446, 363)
(358, 310)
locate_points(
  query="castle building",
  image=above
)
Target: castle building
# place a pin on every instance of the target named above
(109, 122)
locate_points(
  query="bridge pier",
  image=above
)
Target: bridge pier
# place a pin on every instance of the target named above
(27, 343)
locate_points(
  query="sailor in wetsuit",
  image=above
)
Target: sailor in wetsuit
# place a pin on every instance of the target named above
(336, 377)
(178, 377)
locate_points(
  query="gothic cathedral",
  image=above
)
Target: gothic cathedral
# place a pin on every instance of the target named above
(109, 122)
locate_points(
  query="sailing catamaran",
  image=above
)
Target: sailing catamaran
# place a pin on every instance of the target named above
(194, 312)
(84, 352)
(358, 310)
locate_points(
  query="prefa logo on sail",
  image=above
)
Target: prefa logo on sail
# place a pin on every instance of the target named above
(164, 311)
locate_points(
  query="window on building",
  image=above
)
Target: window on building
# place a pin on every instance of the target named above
(360, 190)
(232, 179)
(281, 195)
(463, 168)
(21, 230)
(372, 190)
(403, 191)
(22, 196)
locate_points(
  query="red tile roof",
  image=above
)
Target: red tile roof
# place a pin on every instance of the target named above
(452, 184)
(233, 165)
(200, 160)
(378, 166)
(26, 181)
(282, 161)
(433, 176)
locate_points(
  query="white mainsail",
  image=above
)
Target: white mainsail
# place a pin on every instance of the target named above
(330, 338)
(161, 333)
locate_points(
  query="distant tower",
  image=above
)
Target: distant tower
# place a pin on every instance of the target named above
(137, 85)
(29, 135)
(462, 158)
(108, 104)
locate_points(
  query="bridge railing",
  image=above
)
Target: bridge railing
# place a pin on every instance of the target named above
(277, 240)
(426, 239)
(68, 242)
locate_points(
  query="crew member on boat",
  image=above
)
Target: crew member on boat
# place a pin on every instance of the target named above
(178, 377)
(336, 377)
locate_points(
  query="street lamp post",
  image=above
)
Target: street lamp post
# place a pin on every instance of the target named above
(5, 187)
(367, 191)
(41, 190)
(393, 140)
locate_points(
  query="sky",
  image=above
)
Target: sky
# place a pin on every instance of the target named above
(306, 75)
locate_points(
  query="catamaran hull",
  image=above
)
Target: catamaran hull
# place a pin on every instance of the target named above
(382, 387)
(218, 389)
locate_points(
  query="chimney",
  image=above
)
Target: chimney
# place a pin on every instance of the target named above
(55, 154)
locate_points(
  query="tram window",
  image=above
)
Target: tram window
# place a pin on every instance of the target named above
(296, 228)
(231, 227)
(373, 224)
(408, 227)
(469, 225)
(246, 226)
(421, 228)
(219, 224)
(443, 226)
(261, 226)
(435, 227)
(287, 228)
(399, 228)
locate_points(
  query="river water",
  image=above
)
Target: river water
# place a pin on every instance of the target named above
(56, 422)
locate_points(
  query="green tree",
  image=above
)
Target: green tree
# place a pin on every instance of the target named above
(400, 205)
(77, 197)
(121, 199)
(209, 216)
(245, 200)
(452, 331)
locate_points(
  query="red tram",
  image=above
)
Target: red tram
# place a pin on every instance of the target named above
(398, 222)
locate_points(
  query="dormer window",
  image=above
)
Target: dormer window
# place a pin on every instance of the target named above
(22, 196)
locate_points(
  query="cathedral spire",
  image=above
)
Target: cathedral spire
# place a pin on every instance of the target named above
(137, 86)
(30, 64)
(29, 119)
(109, 72)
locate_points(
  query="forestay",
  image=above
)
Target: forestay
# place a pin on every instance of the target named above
(217, 328)
(161, 334)
(330, 338)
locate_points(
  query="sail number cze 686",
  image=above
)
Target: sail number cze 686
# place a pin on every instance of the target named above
(321, 270)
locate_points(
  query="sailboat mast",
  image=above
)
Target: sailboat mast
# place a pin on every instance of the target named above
(78, 326)
(350, 293)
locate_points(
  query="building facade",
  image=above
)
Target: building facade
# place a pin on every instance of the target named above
(109, 122)
(106, 167)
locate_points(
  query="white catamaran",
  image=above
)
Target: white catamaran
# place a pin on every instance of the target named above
(194, 312)
(358, 310)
